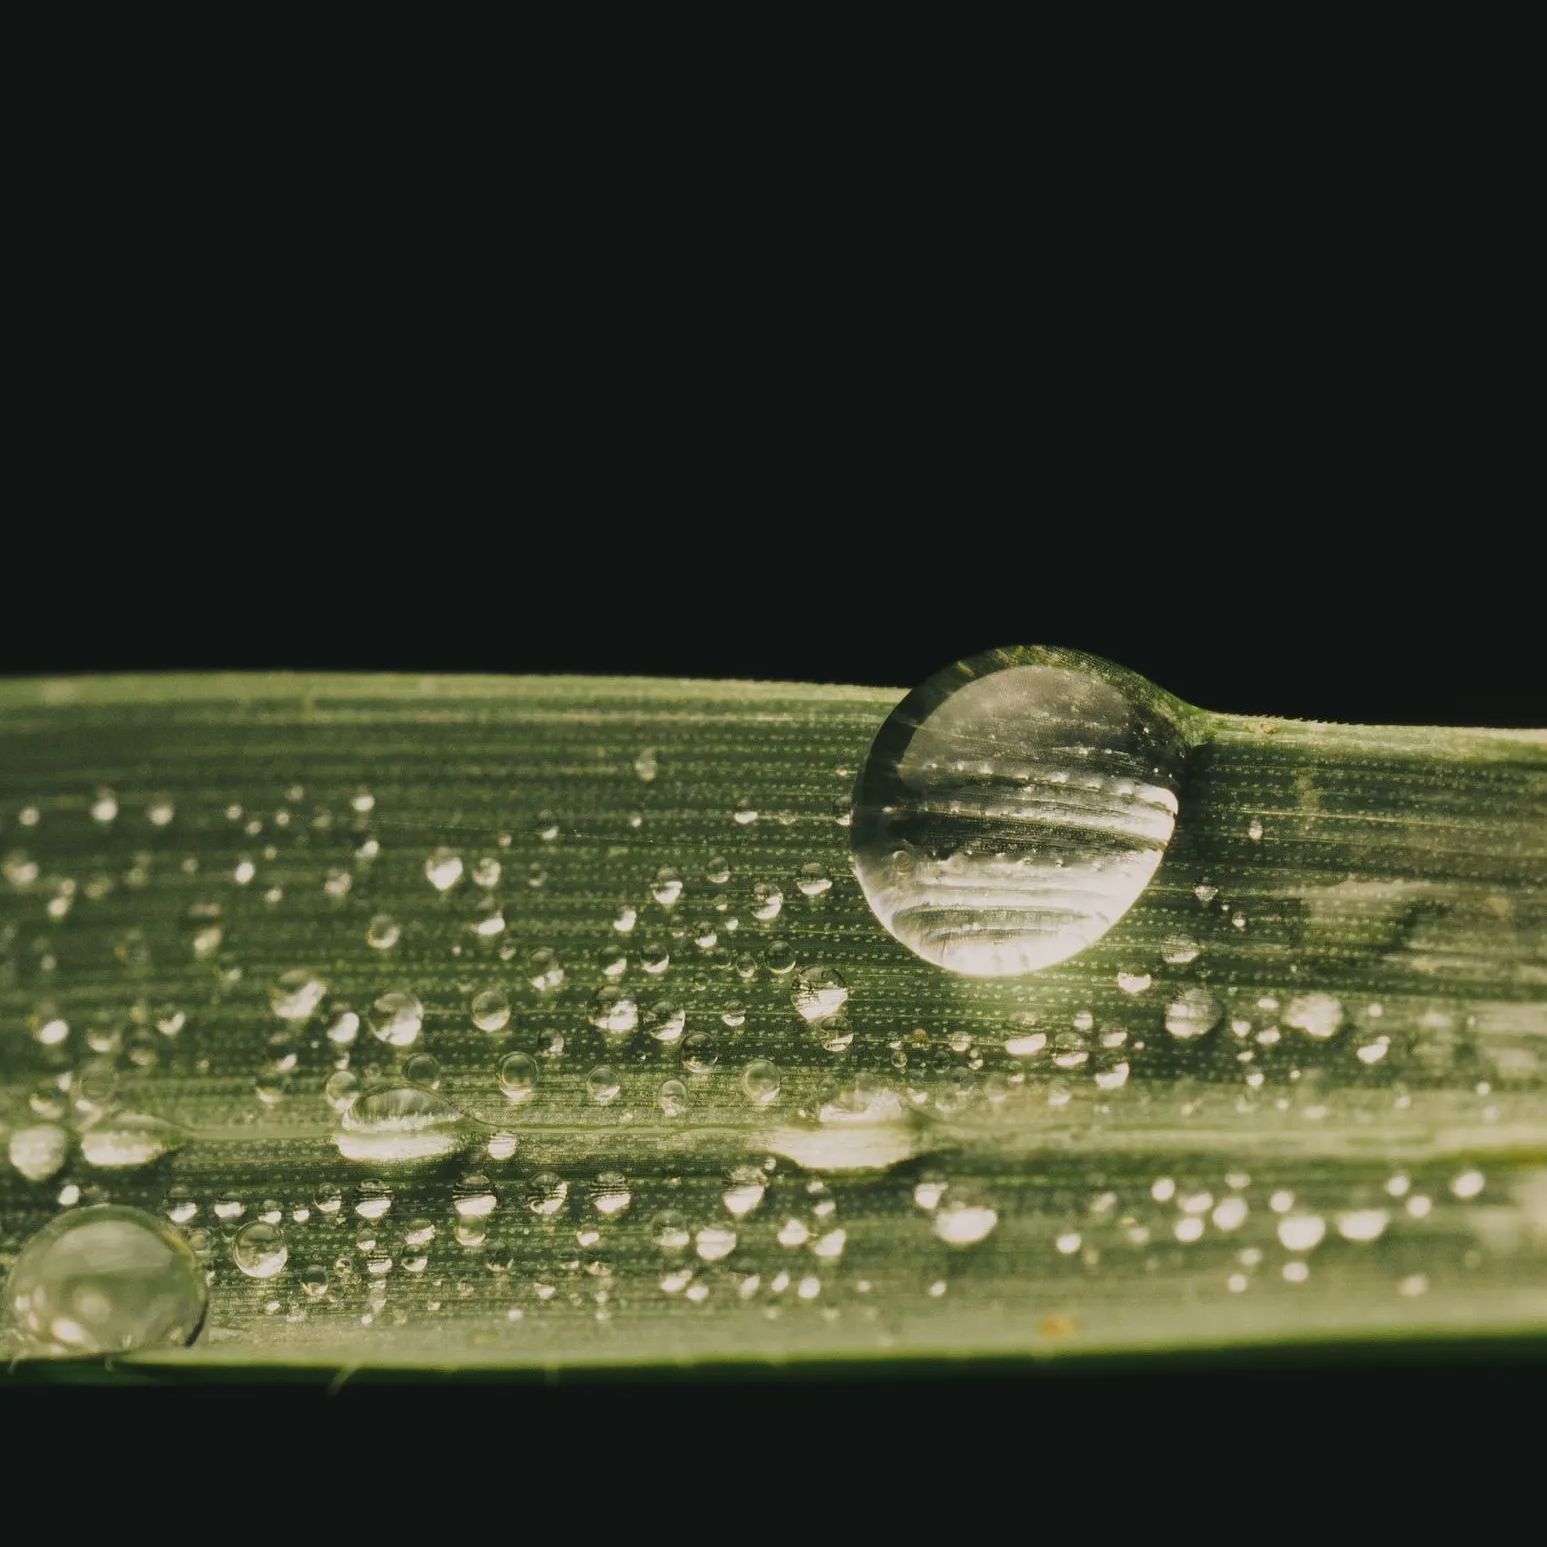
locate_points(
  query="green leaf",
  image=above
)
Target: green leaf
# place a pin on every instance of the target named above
(738, 1122)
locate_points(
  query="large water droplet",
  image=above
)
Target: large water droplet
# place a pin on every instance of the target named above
(106, 1280)
(121, 1140)
(401, 1124)
(1014, 807)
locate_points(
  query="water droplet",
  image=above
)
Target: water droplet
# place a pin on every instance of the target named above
(545, 1194)
(297, 994)
(1179, 950)
(1363, 1224)
(672, 1098)
(39, 1150)
(443, 869)
(423, 1069)
(518, 1076)
(491, 1010)
(1134, 982)
(106, 1280)
(383, 932)
(667, 886)
(121, 1140)
(744, 1191)
(373, 1200)
(602, 1085)
(760, 1081)
(400, 1124)
(544, 971)
(714, 1242)
(397, 1018)
(665, 1019)
(1467, 1184)
(699, 1054)
(259, 1249)
(767, 901)
(963, 1222)
(473, 1197)
(1014, 807)
(1254, 829)
(1317, 1015)
(819, 993)
(1194, 1012)
(814, 880)
(646, 765)
(1301, 1232)
(615, 1011)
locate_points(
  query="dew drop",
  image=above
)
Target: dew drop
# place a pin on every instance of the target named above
(491, 1009)
(39, 1150)
(119, 1141)
(760, 1081)
(400, 1124)
(296, 995)
(383, 932)
(106, 1280)
(443, 869)
(259, 1249)
(1194, 1012)
(962, 1222)
(664, 1020)
(518, 1076)
(602, 1085)
(699, 1054)
(819, 993)
(1014, 807)
(397, 1018)
(546, 1193)
(1317, 1015)
(615, 1011)
(814, 880)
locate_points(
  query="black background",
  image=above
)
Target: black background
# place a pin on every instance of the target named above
(1253, 414)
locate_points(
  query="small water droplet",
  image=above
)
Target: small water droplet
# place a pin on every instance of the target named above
(259, 1249)
(518, 1076)
(546, 1193)
(297, 994)
(961, 1221)
(665, 1019)
(819, 993)
(1193, 1013)
(397, 1018)
(383, 932)
(544, 971)
(814, 880)
(443, 869)
(39, 1150)
(699, 1054)
(491, 1009)
(1301, 1232)
(760, 1081)
(615, 1011)
(1317, 1015)
(602, 1084)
